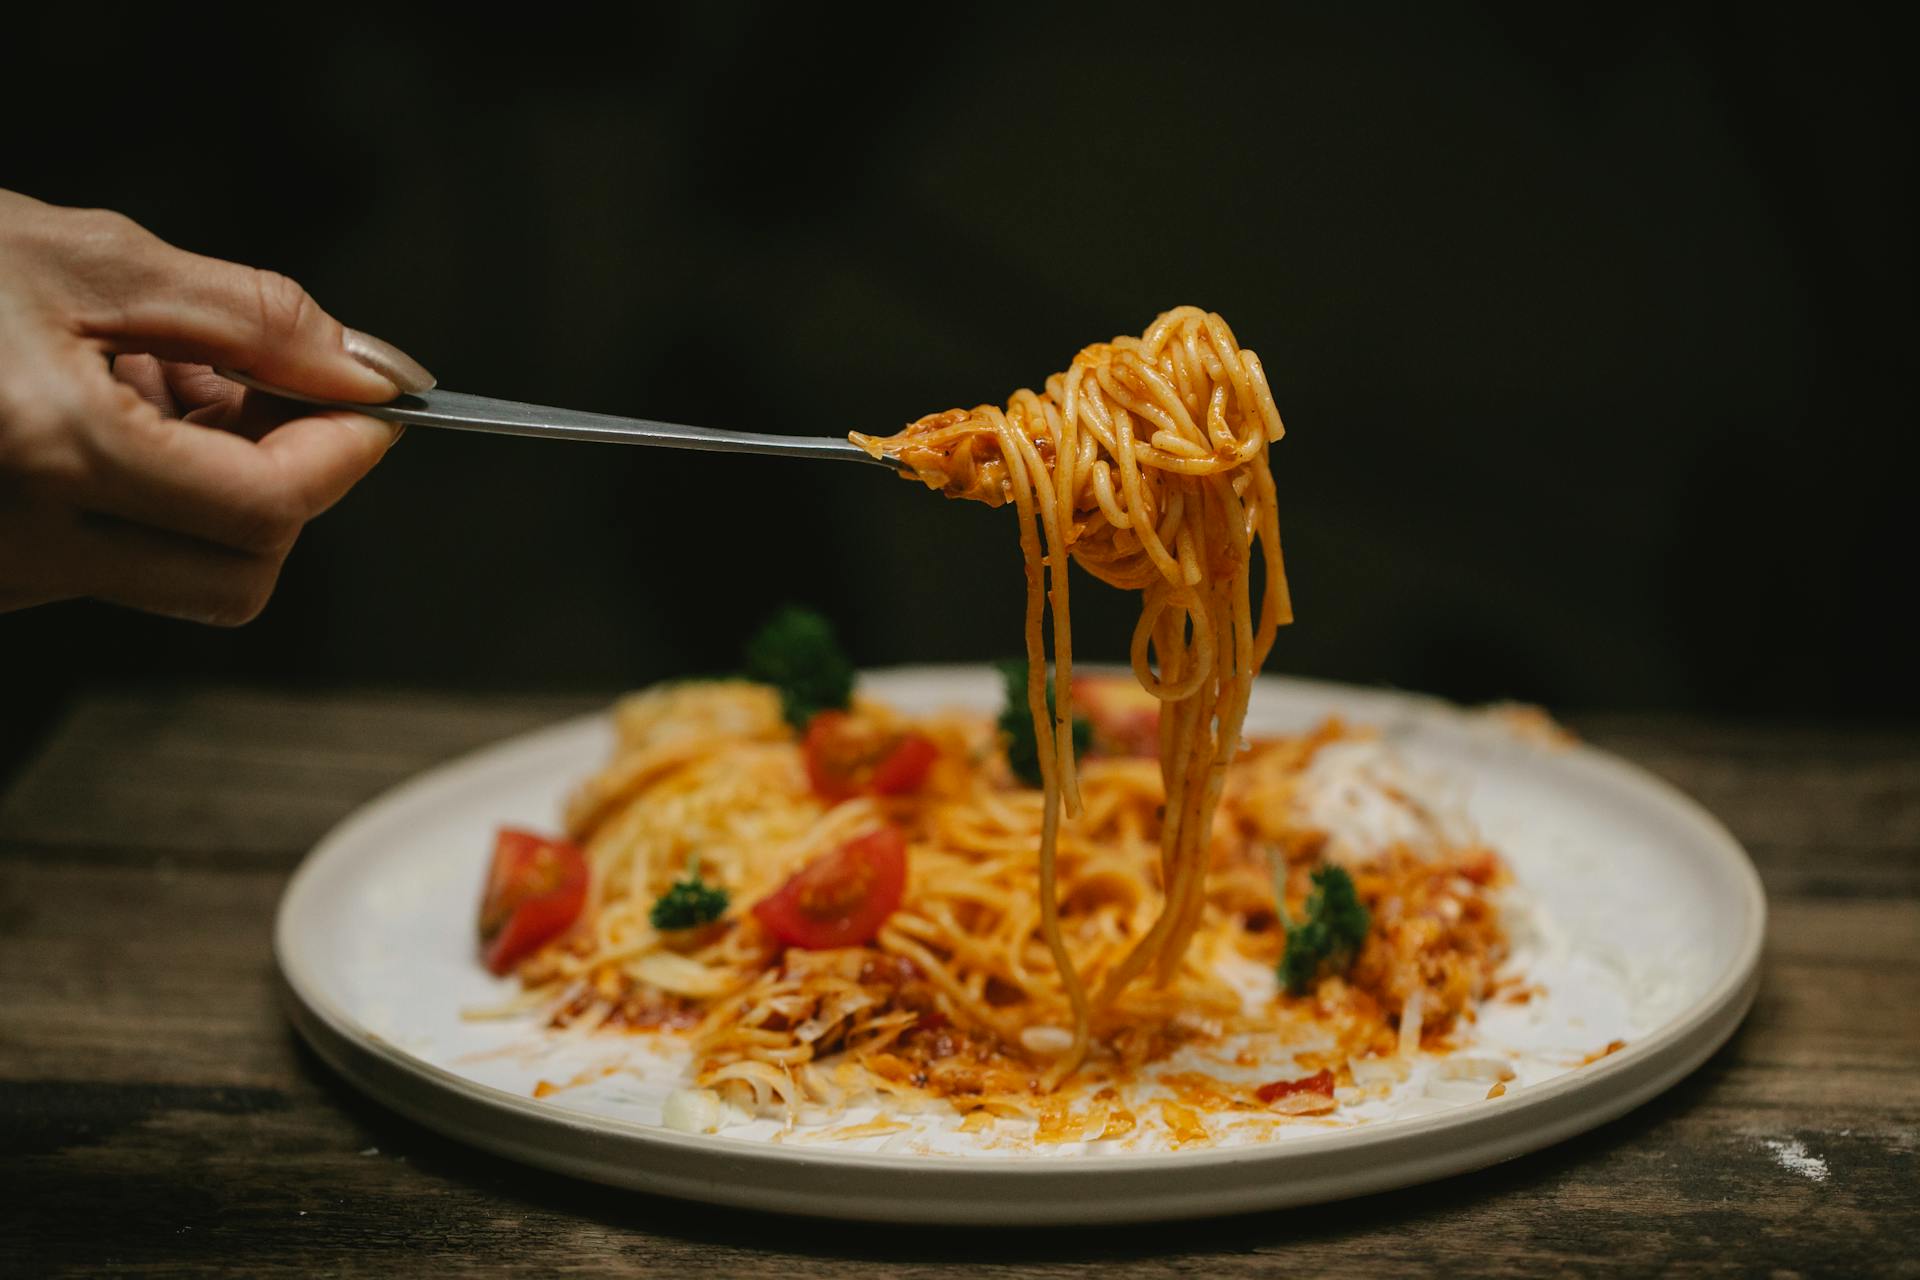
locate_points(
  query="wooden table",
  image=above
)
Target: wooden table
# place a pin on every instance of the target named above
(157, 1114)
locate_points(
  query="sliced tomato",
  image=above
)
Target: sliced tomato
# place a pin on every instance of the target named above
(840, 899)
(905, 767)
(1319, 1082)
(1125, 717)
(846, 758)
(535, 890)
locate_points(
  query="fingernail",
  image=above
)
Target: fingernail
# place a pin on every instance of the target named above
(389, 361)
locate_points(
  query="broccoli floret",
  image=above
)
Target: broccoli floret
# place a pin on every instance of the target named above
(797, 654)
(1331, 935)
(689, 903)
(1016, 722)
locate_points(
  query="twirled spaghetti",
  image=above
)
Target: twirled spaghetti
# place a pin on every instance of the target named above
(1146, 463)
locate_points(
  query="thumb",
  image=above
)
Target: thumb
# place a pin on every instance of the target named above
(138, 293)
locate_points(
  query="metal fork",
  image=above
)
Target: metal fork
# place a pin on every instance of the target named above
(463, 412)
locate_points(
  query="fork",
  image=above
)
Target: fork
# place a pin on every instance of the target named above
(461, 411)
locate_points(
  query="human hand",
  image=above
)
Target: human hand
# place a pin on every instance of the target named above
(154, 482)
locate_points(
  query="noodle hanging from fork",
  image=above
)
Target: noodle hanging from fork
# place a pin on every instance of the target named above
(1145, 462)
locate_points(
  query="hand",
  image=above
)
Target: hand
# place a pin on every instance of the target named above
(129, 470)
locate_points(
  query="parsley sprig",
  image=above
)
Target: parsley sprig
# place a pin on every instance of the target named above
(689, 903)
(1330, 936)
(797, 653)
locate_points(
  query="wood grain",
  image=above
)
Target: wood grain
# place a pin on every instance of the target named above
(157, 1116)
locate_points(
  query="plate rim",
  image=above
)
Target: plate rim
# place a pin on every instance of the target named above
(1493, 1129)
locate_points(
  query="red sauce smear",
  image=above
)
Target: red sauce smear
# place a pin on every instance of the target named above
(1319, 1082)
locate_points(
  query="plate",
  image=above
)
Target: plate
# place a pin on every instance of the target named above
(1643, 915)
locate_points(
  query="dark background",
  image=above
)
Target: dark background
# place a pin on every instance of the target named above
(1592, 327)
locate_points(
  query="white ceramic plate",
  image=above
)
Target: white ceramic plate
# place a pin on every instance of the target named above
(1643, 921)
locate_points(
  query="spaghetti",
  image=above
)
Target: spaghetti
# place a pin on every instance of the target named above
(1146, 463)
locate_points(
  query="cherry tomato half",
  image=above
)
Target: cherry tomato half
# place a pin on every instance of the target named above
(846, 758)
(840, 899)
(535, 889)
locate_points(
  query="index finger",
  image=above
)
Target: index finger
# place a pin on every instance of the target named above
(135, 292)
